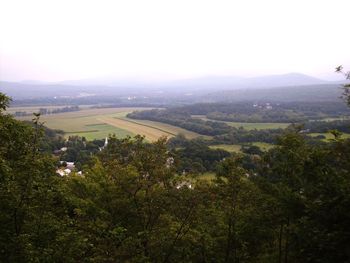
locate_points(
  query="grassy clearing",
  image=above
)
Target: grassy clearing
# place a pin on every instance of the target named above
(246, 125)
(341, 118)
(263, 145)
(236, 148)
(207, 176)
(258, 125)
(329, 135)
(227, 147)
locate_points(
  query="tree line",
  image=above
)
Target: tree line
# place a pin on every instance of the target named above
(45, 111)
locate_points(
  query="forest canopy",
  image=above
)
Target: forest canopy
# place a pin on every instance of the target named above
(131, 204)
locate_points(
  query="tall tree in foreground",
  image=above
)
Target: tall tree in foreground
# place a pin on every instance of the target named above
(34, 226)
(346, 87)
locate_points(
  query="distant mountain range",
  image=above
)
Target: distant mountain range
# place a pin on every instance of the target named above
(290, 79)
(125, 87)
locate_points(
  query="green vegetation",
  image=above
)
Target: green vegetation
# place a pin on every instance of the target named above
(207, 177)
(258, 125)
(99, 131)
(249, 125)
(325, 126)
(227, 147)
(266, 112)
(328, 136)
(140, 202)
(263, 145)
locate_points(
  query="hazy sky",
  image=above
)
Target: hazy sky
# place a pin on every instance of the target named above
(55, 40)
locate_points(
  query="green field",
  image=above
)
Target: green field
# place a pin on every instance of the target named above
(246, 125)
(258, 125)
(208, 176)
(100, 131)
(341, 118)
(263, 145)
(236, 148)
(227, 147)
(329, 135)
(99, 123)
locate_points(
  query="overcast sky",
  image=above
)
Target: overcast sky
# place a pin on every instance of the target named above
(54, 40)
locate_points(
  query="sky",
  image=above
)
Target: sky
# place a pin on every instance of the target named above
(54, 40)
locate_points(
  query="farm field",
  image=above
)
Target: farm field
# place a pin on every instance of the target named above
(247, 125)
(170, 129)
(151, 133)
(99, 123)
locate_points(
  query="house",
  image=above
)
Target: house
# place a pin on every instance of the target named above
(169, 162)
(105, 144)
(63, 149)
(63, 172)
(70, 165)
(184, 184)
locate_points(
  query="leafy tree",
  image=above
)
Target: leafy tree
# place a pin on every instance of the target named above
(33, 215)
(346, 93)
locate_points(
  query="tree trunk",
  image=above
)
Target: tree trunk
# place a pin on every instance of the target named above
(280, 244)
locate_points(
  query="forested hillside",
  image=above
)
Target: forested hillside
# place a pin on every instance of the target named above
(290, 112)
(133, 204)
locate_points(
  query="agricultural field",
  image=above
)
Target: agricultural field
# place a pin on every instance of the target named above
(99, 123)
(247, 125)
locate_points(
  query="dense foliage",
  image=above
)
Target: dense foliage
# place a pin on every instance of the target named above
(132, 205)
(195, 156)
(288, 112)
(180, 117)
(325, 126)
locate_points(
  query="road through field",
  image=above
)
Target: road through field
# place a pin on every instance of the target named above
(151, 134)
